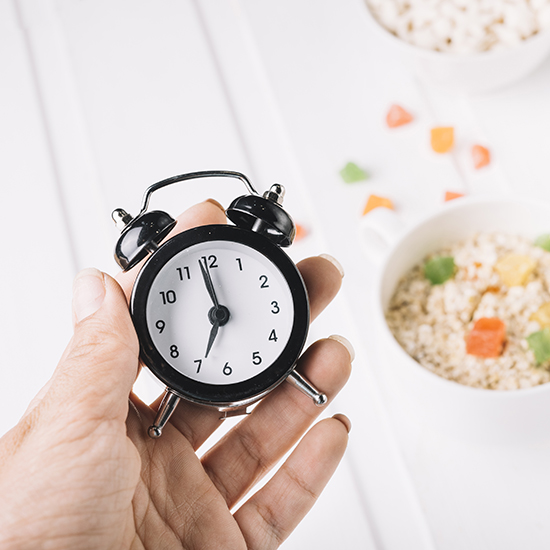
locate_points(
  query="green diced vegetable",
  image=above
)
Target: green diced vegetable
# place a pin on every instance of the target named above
(439, 269)
(351, 173)
(543, 241)
(539, 342)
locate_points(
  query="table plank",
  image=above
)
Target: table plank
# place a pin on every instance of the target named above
(38, 264)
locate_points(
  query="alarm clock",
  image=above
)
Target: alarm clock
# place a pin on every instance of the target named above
(221, 311)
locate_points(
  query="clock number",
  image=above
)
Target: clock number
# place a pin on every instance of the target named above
(227, 370)
(199, 361)
(273, 336)
(238, 260)
(264, 284)
(256, 359)
(174, 353)
(160, 324)
(212, 259)
(187, 272)
(276, 308)
(168, 297)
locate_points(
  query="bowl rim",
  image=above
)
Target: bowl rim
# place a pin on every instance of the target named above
(539, 36)
(450, 385)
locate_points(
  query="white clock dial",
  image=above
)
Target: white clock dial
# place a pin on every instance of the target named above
(248, 285)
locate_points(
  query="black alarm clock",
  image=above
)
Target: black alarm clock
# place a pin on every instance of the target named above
(221, 311)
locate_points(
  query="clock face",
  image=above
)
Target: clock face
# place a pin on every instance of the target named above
(220, 313)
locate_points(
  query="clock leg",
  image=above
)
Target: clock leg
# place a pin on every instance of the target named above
(298, 381)
(169, 403)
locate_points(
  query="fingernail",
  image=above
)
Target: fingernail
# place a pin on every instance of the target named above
(88, 293)
(216, 203)
(346, 343)
(334, 262)
(344, 420)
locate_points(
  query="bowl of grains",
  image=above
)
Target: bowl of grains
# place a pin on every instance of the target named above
(462, 306)
(465, 46)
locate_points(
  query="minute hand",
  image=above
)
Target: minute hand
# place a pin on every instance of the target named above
(208, 282)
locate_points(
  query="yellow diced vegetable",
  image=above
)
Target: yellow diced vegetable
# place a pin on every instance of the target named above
(542, 315)
(514, 269)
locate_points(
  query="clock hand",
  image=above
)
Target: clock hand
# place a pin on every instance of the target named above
(211, 338)
(218, 315)
(209, 284)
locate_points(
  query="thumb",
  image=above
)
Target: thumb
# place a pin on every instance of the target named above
(100, 364)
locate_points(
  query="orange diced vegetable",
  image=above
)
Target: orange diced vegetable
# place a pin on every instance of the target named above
(301, 232)
(397, 116)
(450, 195)
(487, 337)
(514, 269)
(442, 139)
(481, 156)
(375, 201)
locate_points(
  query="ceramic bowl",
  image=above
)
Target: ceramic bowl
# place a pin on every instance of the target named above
(467, 73)
(480, 415)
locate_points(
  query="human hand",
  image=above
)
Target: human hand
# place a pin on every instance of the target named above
(79, 471)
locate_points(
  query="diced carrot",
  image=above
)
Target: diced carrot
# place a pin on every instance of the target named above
(397, 116)
(301, 232)
(493, 289)
(450, 195)
(375, 201)
(481, 156)
(442, 139)
(487, 337)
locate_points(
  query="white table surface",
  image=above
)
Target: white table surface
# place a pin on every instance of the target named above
(100, 98)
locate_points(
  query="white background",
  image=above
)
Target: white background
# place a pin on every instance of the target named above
(100, 98)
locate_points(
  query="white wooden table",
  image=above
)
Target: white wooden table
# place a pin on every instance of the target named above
(100, 98)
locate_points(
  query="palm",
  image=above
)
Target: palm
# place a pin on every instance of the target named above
(175, 504)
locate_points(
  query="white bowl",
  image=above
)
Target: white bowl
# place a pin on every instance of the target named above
(468, 73)
(480, 415)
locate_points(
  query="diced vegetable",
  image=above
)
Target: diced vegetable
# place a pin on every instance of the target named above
(542, 315)
(351, 173)
(442, 139)
(481, 156)
(375, 201)
(514, 269)
(487, 337)
(543, 241)
(301, 232)
(397, 116)
(450, 195)
(439, 269)
(539, 342)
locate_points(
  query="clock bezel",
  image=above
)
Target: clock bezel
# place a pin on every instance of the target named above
(221, 396)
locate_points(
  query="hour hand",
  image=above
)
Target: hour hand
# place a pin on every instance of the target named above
(211, 338)
(208, 282)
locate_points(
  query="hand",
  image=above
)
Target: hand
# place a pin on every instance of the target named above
(79, 471)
